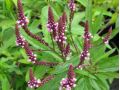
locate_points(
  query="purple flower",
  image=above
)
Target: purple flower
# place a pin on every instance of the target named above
(67, 50)
(32, 57)
(61, 38)
(71, 5)
(85, 55)
(106, 38)
(69, 82)
(87, 34)
(20, 41)
(35, 83)
(22, 20)
(51, 25)
(30, 54)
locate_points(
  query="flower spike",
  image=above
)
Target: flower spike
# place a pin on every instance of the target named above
(69, 82)
(35, 83)
(22, 20)
(20, 41)
(106, 38)
(51, 24)
(85, 55)
(67, 50)
(71, 5)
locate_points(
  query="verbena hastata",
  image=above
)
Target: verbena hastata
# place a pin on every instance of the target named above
(57, 31)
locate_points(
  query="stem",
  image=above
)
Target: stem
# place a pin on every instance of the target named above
(103, 28)
(39, 50)
(40, 39)
(56, 53)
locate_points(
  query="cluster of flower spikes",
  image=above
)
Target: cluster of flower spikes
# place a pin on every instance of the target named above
(106, 38)
(58, 31)
(69, 82)
(23, 22)
(35, 83)
(20, 41)
(85, 55)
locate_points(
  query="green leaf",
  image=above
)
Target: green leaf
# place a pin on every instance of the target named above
(109, 64)
(94, 84)
(97, 51)
(53, 84)
(5, 24)
(5, 83)
(85, 73)
(83, 2)
(104, 55)
(83, 84)
(76, 29)
(97, 23)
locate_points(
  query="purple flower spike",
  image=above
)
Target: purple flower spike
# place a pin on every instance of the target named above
(51, 25)
(85, 55)
(31, 55)
(33, 82)
(106, 38)
(71, 5)
(22, 20)
(61, 30)
(67, 50)
(69, 82)
(20, 41)
(87, 34)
